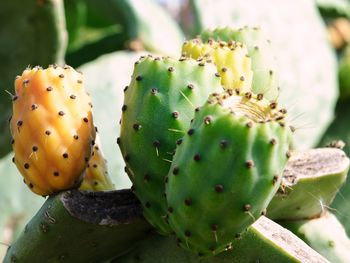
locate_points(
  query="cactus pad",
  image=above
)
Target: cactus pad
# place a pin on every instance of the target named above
(52, 128)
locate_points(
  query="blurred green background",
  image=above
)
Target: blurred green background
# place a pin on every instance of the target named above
(104, 38)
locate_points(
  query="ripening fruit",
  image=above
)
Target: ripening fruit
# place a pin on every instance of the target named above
(52, 128)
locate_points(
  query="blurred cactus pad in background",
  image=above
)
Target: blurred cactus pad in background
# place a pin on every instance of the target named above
(174, 131)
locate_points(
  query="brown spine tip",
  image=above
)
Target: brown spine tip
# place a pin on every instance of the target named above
(208, 119)
(188, 201)
(138, 78)
(275, 179)
(56, 173)
(175, 114)
(171, 69)
(136, 126)
(260, 96)
(19, 123)
(34, 106)
(61, 113)
(85, 119)
(154, 91)
(197, 157)
(156, 143)
(176, 170)
(223, 144)
(273, 105)
(126, 88)
(124, 107)
(73, 97)
(249, 124)
(179, 141)
(47, 132)
(249, 164)
(35, 148)
(79, 81)
(247, 207)
(76, 137)
(190, 132)
(49, 88)
(190, 86)
(65, 155)
(61, 76)
(118, 140)
(214, 227)
(146, 178)
(248, 95)
(26, 166)
(217, 74)
(219, 188)
(273, 141)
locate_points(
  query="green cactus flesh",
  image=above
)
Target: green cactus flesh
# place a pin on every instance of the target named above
(158, 106)
(344, 74)
(76, 226)
(265, 75)
(264, 241)
(326, 235)
(225, 171)
(310, 182)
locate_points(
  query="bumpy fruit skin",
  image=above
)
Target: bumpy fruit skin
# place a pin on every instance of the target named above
(52, 128)
(96, 176)
(263, 63)
(231, 60)
(158, 106)
(226, 170)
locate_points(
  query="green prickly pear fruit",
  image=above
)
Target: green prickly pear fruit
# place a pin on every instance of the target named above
(226, 170)
(96, 176)
(158, 106)
(52, 128)
(263, 64)
(231, 60)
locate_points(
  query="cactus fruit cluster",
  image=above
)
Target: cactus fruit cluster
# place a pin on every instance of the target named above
(205, 144)
(52, 128)
(204, 150)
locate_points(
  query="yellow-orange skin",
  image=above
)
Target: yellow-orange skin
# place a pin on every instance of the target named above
(231, 60)
(96, 174)
(51, 148)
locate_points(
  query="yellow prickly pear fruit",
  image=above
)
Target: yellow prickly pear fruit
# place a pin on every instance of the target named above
(96, 176)
(231, 59)
(52, 128)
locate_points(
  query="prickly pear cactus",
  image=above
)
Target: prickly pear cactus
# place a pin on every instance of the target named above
(299, 39)
(52, 128)
(231, 60)
(96, 176)
(225, 171)
(158, 106)
(263, 62)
